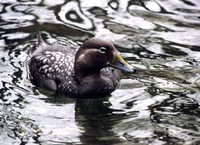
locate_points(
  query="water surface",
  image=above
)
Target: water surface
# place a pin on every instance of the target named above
(159, 104)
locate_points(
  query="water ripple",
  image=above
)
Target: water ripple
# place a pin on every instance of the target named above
(159, 104)
(70, 13)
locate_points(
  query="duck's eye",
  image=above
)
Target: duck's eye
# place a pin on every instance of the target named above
(102, 49)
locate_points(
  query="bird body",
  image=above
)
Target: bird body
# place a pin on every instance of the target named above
(83, 72)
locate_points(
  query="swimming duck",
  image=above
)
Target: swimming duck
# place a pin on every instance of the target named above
(93, 70)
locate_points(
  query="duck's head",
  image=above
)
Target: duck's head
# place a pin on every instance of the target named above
(95, 54)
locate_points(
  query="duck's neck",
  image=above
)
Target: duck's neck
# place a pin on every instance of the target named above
(85, 68)
(82, 71)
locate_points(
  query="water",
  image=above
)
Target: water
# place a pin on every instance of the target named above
(157, 105)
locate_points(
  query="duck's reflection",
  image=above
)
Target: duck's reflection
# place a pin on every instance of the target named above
(94, 118)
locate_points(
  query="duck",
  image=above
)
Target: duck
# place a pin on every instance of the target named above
(92, 70)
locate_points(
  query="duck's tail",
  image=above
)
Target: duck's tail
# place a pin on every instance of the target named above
(37, 47)
(41, 41)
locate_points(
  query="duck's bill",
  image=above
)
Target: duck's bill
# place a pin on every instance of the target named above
(121, 64)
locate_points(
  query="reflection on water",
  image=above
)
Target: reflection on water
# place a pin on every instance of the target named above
(71, 13)
(157, 105)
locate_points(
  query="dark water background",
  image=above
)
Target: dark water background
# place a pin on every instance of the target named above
(157, 105)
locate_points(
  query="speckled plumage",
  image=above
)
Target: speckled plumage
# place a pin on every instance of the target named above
(52, 67)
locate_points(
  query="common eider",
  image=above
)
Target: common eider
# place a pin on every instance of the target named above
(93, 70)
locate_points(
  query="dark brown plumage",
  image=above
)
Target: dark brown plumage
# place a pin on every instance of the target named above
(85, 72)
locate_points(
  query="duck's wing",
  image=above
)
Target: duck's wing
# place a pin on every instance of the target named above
(47, 69)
